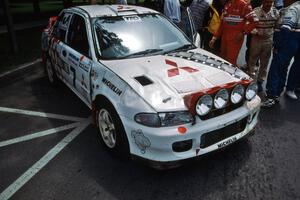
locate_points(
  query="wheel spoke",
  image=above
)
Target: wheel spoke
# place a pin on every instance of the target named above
(112, 138)
(107, 128)
(104, 116)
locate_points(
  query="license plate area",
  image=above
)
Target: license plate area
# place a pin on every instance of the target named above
(210, 138)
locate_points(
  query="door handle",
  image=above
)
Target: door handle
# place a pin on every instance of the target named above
(64, 53)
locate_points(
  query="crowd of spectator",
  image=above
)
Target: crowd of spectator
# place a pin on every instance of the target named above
(271, 28)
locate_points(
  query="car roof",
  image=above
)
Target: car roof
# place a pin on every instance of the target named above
(113, 10)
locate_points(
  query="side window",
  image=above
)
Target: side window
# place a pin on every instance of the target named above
(77, 35)
(61, 26)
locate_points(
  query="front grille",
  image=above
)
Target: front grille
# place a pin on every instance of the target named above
(215, 136)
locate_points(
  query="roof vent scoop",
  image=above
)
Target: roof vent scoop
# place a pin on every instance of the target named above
(143, 80)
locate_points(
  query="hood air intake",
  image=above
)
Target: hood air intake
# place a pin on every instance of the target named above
(143, 80)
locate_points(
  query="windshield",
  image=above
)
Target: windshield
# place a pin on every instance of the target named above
(137, 35)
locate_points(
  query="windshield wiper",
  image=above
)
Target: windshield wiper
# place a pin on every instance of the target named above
(184, 47)
(143, 53)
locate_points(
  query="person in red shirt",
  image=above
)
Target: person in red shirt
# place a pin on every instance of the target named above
(238, 19)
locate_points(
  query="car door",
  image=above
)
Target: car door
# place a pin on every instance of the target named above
(57, 45)
(188, 26)
(79, 57)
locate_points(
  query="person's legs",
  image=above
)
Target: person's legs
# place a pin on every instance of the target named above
(248, 45)
(255, 51)
(281, 60)
(294, 74)
(230, 50)
(279, 67)
(293, 78)
(224, 49)
(264, 58)
(277, 73)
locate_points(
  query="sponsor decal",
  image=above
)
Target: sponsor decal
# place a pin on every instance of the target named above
(140, 140)
(74, 63)
(175, 71)
(84, 94)
(66, 19)
(66, 68)
(132, 18)
(83, 82)
(227, 142)
(94, 75)
(63, 24)
(73, 59)
(112, 86)
(53, 49)
(206, 60)
(73, 70)
(84, 67)
(120, 7)
(81, 58)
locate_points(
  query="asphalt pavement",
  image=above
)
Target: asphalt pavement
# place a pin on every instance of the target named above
(49, 150)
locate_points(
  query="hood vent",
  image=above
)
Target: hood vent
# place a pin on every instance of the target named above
(143, 80)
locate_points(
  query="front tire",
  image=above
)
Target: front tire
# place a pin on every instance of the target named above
(111, 130)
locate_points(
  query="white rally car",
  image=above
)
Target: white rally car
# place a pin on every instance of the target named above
(152, 93)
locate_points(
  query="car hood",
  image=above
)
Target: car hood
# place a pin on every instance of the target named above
(163, 80)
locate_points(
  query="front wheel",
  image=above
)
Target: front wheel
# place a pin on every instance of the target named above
(111, 130)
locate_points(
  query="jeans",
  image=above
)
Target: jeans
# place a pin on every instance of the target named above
(287, 45)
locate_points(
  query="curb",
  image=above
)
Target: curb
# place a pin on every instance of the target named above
(21, 70)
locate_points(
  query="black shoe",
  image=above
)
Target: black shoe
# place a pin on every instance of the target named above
(270, 102)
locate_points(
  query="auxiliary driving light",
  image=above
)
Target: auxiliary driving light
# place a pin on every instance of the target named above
(204, 105)
(221, 98)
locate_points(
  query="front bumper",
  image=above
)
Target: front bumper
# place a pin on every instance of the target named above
(156, 144)
(158, 165)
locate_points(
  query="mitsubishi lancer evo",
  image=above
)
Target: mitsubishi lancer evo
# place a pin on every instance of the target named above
(152, 92)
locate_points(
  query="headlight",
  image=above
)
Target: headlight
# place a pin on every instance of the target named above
(251, 91)
(204, 105)
(147, 119)
(164, 119)
(175, 118)
(237, 94)
(221, 98)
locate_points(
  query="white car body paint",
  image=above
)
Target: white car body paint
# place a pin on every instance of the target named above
(115, 79)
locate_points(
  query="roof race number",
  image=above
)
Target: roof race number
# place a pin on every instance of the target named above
(132, 18)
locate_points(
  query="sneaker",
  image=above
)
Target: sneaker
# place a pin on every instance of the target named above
(269, 102)
(291, 94)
